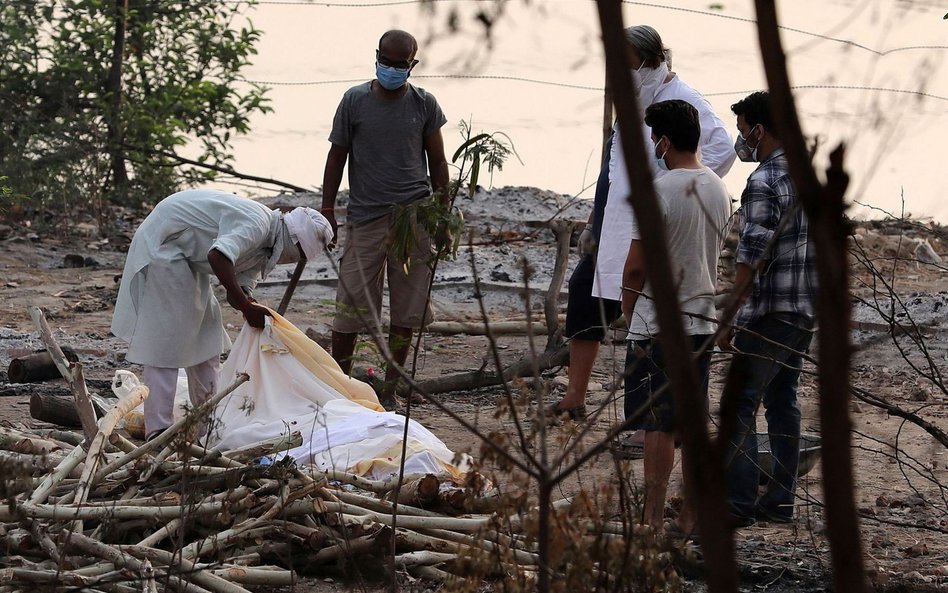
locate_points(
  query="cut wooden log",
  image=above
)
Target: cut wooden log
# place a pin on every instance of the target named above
(55, 409)
(420, 493)
(453, 498)
(266, 447)
(482, 378)
(474, 328)
(71, 438)
(37, 367)
(259, 575)
(20, 442)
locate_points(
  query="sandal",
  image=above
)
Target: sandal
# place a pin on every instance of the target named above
(555, 413)
(628, 447)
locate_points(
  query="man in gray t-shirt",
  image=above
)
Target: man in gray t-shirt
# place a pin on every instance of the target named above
(389, 131)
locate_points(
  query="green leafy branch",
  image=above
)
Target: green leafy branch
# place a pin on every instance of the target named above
(7, 195)
(439, 218)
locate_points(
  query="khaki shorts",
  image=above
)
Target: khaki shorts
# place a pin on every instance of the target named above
(366, 260)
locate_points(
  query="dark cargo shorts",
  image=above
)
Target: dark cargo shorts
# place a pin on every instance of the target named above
(587, 317)
(645, 368)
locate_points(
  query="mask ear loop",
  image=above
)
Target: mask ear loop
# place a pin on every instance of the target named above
(759, 137)
(656, 148)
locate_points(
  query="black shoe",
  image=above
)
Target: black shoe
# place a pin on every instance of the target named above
(154, 435)
(771, 517)
(738, 521)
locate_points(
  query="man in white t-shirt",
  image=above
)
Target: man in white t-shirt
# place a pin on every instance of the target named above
(654, 81)
(696, 209)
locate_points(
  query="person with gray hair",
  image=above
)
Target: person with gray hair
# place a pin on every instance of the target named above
(647, 43)
(166, 309)
(653, 81)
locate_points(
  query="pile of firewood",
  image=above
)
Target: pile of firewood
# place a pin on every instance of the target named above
(98, 511)
(107, 514)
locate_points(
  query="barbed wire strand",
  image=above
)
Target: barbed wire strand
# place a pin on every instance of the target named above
(586, 87)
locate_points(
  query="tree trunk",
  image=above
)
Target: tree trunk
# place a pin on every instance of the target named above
(563, 231)
(481, 378)
(114, 93)
(706, 470)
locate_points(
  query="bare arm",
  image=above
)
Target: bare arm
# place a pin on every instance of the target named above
(743, 283)
(332, 177)
(633, 278)
(437, 165)
(225, 272)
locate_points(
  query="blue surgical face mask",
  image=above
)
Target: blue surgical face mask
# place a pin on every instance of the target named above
(660, 160)
(391, 78)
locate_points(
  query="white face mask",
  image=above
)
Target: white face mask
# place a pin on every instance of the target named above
(647, 81)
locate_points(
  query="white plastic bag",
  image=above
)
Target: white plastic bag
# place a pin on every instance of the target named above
(134, 422)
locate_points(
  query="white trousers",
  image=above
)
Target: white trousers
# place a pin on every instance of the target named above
(162, 384)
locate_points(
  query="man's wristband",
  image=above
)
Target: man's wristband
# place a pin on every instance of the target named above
(324, 210)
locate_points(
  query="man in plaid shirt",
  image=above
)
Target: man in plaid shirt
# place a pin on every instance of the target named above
(776, 267)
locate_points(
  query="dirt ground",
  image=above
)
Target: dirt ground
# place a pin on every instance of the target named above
(901, 471)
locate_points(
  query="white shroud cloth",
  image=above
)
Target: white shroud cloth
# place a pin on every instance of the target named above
(296, 386)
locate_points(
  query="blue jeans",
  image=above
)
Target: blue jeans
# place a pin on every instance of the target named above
(772, 377)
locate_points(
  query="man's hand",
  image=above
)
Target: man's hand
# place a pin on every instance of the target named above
(255, 314)
(444, 240)
(725, 340)
(330, 215)
(587, 242)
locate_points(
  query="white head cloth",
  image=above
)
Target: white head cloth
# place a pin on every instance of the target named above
(310, 229)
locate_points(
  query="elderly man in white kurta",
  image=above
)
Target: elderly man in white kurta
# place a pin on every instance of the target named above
(715, 150)
(166, 308)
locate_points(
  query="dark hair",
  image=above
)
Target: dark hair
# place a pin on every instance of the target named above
(403, 38)
(676, 119)
(755, 108)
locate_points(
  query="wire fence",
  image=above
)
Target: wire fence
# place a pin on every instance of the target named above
(599, 89)
(710, 13)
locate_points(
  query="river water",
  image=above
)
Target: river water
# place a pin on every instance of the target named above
(538, 78)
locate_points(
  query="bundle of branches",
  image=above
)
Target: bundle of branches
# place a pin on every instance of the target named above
(106, 514)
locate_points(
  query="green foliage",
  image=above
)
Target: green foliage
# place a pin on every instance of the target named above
(179, 84)
(430, 216)
(492, 150)
(438, 217)
(8, 197)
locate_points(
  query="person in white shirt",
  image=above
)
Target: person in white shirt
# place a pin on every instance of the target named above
(696, 208)
(654, 82)
(166, 309)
